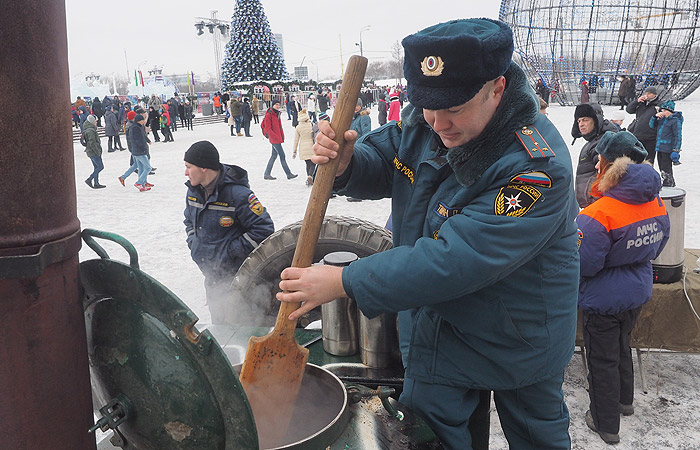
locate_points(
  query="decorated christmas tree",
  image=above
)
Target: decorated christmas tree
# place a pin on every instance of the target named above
(252, 53)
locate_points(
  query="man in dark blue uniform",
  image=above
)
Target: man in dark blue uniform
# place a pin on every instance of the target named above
(484, 269)
(224, 221)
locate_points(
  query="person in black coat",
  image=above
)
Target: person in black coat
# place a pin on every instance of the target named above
(294, 108)
(323, 102)
(247, 114)
(98, 110)
(644, 109)
(154, 122)
(383, 109)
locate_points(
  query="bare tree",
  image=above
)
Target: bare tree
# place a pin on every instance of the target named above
(396, 63)
(377, 70)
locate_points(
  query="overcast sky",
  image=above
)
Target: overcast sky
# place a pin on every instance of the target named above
(105, 36)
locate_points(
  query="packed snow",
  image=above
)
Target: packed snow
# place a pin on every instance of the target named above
(665, 418)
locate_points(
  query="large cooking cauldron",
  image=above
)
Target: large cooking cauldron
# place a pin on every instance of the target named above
(160, 384)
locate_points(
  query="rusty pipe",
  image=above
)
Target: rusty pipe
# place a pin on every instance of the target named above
(44, 377)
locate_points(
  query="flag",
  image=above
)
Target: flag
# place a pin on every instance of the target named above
(192, 78)
(141, 74)
(188, 79)
(136, 78)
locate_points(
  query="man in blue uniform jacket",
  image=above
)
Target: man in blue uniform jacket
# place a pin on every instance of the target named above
(484, 269)
(224, 221)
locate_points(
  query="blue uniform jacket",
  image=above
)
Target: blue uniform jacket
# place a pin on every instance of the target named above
(223, 229)
(669, 132)
(619, 235)
(485, 265)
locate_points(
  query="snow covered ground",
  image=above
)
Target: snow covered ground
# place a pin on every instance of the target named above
(665, 418)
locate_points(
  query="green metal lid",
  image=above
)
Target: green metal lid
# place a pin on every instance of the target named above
(161, 384)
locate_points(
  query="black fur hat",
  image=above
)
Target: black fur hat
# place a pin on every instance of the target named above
(585, 110)
(447, 64)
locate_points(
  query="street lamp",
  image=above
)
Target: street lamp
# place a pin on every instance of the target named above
(315, 65)
(212, 24)
(361, 31)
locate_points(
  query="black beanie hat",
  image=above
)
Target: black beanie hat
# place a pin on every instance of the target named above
(274, 102)
(203, 154)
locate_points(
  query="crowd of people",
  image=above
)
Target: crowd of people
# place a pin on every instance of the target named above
(497, 219)
(135, 122)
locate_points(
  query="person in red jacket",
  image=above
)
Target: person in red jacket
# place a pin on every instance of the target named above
(272, 129)
(394, 107)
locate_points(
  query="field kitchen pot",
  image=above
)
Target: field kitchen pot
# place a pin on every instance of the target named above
(161, 385)
(668, 267)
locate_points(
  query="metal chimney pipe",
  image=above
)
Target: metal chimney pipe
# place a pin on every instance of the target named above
(44, 377)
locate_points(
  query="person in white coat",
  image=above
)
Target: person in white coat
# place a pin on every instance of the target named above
(311, 108)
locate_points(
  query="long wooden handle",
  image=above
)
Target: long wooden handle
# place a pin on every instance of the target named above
(323, 183)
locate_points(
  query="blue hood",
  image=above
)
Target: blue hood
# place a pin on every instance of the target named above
(640, 184)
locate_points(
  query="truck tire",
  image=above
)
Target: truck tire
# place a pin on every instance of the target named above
(257, 280)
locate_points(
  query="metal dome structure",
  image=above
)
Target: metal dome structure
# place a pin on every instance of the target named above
(564, 42)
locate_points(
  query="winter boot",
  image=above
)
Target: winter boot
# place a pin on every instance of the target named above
(626, 410)
(667, 179)
(609, 438)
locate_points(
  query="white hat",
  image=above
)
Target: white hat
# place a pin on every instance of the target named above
(618, 115)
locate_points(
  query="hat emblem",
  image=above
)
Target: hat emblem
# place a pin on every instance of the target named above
(432, 66)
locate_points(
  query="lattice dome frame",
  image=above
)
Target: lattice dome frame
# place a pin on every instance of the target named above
(564, 42)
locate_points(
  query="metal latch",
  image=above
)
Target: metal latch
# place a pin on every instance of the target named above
(114, 414)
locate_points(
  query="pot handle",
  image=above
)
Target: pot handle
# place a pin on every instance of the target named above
(88, 235)
(357, 392)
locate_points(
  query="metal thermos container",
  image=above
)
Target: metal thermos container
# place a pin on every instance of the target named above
(339, 322)
(668, 267)
(379, 341)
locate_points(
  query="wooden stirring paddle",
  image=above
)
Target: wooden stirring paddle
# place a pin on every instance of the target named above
(274, 364)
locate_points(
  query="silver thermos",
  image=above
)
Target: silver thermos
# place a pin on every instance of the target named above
(379, 342)
(339, 322)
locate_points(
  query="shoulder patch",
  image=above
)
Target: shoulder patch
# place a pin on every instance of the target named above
(536, 178)
(515, 200)
(398, 124)
(534, 143)
(255, 205)
(580, 237)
